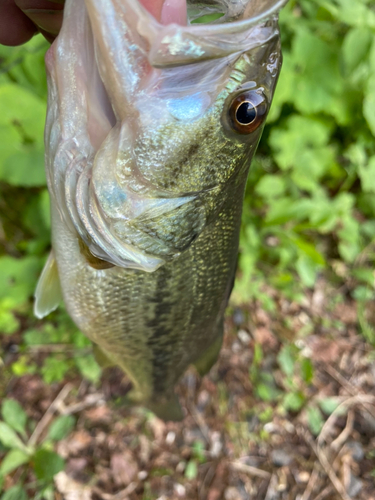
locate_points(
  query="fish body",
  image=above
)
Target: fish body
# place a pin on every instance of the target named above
(149, 137)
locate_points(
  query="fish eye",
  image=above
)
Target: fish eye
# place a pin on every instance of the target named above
(248, 111)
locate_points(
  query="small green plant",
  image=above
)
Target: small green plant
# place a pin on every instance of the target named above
(197, 457)
(310, 197)
(262, 379)
(298, 373)
(21, 452)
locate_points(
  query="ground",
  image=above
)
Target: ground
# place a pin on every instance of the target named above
(287, 413)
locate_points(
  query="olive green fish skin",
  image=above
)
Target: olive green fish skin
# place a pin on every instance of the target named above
(155, 324)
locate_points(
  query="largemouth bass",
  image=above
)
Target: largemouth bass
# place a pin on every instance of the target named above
(150, 132)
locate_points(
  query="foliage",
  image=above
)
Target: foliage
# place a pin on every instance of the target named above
(21, 452)
(309, 203)
(309, 209)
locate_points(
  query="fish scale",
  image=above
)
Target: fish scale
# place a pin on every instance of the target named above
(147, 179)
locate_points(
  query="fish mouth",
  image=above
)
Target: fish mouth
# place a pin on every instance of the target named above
(96, 73)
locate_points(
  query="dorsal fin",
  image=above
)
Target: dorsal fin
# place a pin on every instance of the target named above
(48, 291)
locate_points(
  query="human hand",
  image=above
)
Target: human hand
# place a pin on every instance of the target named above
(22, 19)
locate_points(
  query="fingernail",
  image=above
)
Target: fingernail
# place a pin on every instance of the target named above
(47, 20)
(174, 11)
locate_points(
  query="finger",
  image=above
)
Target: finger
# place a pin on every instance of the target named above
(15, 27)
(46, 14)
(167, 11)
(154, 7)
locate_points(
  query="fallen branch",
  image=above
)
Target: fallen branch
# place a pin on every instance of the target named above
(359, 399)
(324, 462)
(323, 494)
(249, 469)
(352, 389)
(312, 483)
(339, 442)
(47, 417)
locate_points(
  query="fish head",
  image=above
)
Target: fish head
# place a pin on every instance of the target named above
(151, 126)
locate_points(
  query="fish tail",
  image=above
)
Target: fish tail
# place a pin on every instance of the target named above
(204, 364)
(167, 408)
(103, 359)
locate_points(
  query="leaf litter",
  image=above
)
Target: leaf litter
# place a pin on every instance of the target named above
(287, 413)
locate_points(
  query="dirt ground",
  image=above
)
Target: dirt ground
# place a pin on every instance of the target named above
(265, 423)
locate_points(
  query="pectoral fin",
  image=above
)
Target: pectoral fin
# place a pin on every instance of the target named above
(48, 291)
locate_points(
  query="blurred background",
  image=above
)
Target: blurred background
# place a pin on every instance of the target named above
(293, 393)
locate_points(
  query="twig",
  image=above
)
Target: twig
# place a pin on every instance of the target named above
(47, 417)
(199, 421)
(360, 399)
(208, 478)
(345, 434)
(249, 469)
(90, 400)
(352, 389)
(325, 464)
(271, 488)
(120, 495)
(327, 491)
(312, 483)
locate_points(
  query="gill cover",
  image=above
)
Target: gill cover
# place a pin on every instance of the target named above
(115, 75)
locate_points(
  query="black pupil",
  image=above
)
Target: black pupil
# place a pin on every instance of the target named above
(246, 113)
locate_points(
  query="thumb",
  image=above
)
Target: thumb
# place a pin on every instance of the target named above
(47, 15)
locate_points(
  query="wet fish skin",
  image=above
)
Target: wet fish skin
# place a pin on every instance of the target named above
(167, 188)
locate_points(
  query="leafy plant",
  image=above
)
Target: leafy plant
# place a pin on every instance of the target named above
(21, 453)
(309, 201)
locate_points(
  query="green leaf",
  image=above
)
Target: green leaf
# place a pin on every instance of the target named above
(198, 451)
(9, 438)
(18, 277)
(47, 464)
(318, 85)
(297, 145)
(293, 401)
(329, 405)
(55, 369)
(8, 322)
(266, 392)
(356, 13)
(13, 459)
(286, 359)
(88, 367)
(15, 493)
(14, 415)
(21, 153)
(24, 168)
(355, 47)
(61, 427)
(369, 105)
(366, 173)
(315, 419)
(307, 370)
(270, 186)
(191, 470)
(307, 270)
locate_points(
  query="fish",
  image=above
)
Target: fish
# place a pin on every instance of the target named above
(150, 132)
